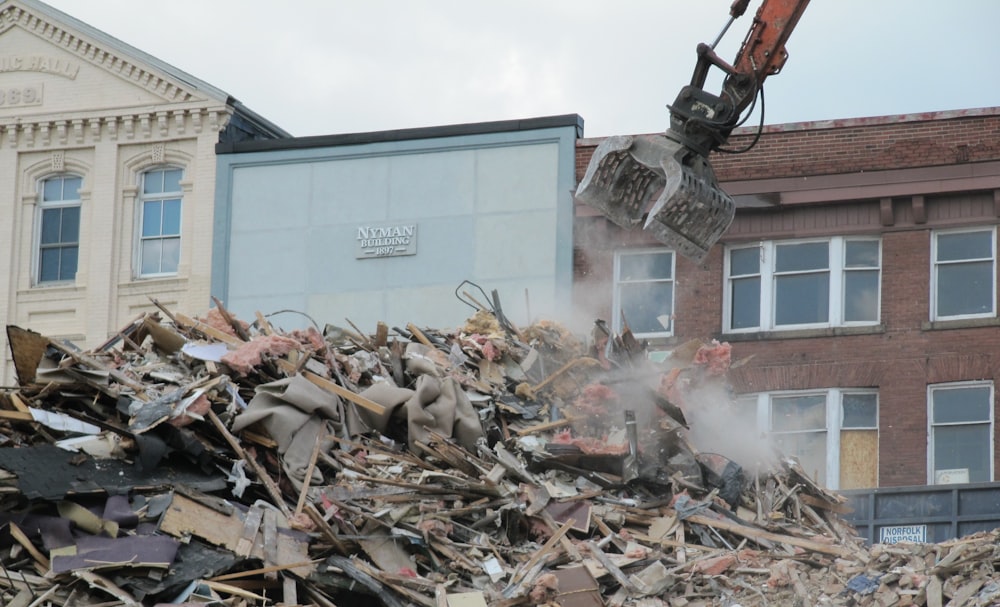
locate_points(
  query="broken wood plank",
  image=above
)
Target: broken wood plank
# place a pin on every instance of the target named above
(251, 525)
(611, 568)
(42, 562)
(760, 534)
(304, 493)
(334, 387)
(208, 330)
(262, 474)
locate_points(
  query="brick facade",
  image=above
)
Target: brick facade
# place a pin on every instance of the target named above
(898, 177)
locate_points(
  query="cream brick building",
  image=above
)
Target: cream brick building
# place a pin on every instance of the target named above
(107, 165)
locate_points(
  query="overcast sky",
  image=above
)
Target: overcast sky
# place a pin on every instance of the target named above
(321, 67)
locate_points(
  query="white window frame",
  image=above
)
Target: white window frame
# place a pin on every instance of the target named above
(616, 300)
(931, 469)
(834, 398)
(141, 199)
(837, 269)
(934, 273)
(40, 208)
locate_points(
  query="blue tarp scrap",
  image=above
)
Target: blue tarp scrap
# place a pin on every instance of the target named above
(863, 584)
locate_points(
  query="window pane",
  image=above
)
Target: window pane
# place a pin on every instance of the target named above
(67, 263)
(70, 224)
(152, 182)
(806, 412)
(52, 189)
(647, 306)
(151, 218)
(801, 299)
(860, 410)
(809, 448)
(172, 180)
(48, 265)
(150, 256)
(746, 303)
(861, 295)
(744, 261)
(51, 224)
(963, 447)
(71, 188)
(637, 266)
(966, 245)
(172, 217)
(969, 404)
(861, 254)
(965, 288)
(171, 254)
(805, 256)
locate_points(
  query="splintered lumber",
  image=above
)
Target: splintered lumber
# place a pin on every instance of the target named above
(419, 335)
(334, 387)
(543, 552)
(207, 329)
(92, 363)
(454, 517)
(263, 570)
(262, 474)
(349, 567)
(40, 559)
(611, 568)
(761, 534)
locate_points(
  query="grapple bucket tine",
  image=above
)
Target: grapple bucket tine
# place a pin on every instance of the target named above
(619, 184)
(692, 212)
(626, 172)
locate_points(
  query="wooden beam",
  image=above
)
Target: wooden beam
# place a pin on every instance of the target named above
(760, 534)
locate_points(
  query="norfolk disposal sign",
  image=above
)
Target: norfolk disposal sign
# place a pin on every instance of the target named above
(385, 240)
(902, 533)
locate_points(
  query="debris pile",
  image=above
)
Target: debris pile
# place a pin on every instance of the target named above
(215, 461)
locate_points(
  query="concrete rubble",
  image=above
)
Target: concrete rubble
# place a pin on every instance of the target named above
(216, 461)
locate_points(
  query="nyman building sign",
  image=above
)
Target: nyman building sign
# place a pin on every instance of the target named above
(386, 241)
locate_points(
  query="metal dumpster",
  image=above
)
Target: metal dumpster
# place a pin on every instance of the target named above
(928, 513)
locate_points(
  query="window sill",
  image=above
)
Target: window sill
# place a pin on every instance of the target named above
(964, 323)
(46, 290)
(154, 283)
(803, 333)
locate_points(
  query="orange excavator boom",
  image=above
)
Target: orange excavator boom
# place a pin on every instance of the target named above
(690, 212)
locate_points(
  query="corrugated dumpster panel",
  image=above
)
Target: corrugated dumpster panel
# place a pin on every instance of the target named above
(935, 513)
(979, 501)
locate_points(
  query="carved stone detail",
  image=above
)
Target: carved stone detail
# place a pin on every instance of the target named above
(158, 153)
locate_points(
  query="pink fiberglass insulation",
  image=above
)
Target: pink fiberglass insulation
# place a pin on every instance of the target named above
(249, 355)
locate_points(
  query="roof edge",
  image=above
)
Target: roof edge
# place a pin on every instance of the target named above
(432, 132)
(839, 123)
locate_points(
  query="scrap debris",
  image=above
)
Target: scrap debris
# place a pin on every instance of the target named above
(218, 461)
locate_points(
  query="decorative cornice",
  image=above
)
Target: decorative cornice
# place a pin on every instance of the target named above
(147, 125)
(169, 91)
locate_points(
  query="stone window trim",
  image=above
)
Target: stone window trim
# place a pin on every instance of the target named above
(32, 178)
(152, 158)
(163, 209)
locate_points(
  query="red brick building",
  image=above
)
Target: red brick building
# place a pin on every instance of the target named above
(860, 274)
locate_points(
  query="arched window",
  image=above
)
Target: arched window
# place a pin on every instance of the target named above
(160, 222)
(58, 229)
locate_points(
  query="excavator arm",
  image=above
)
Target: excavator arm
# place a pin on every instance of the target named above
(691, 211)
